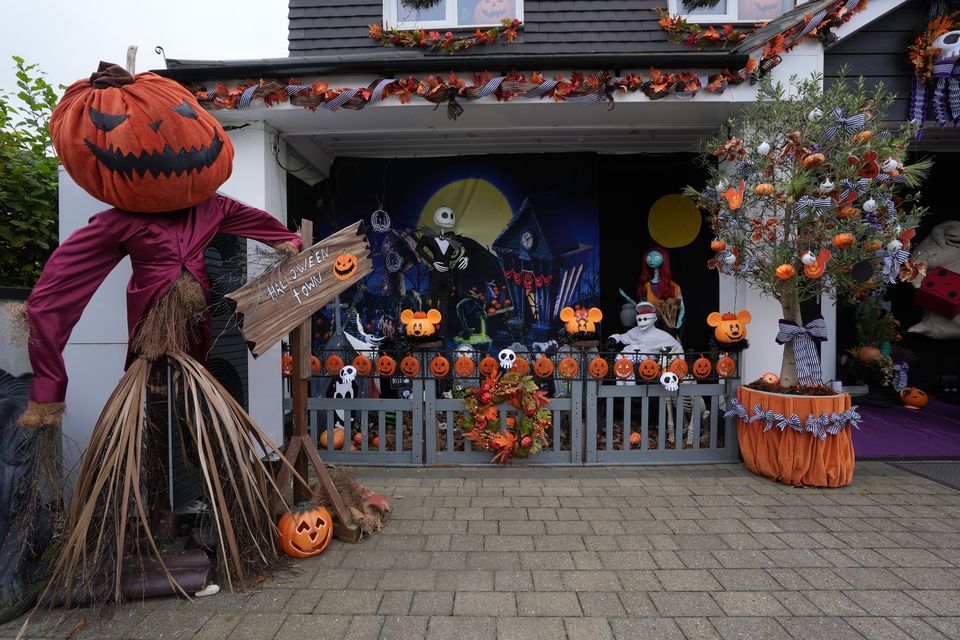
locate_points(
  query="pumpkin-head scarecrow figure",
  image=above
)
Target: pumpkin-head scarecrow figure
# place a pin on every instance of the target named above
(144, 145)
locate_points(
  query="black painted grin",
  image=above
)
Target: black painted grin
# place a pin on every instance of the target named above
(343, 273)
(164, 162)
(494, 15)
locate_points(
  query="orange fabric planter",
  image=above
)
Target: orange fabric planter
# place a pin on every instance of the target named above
(791, 457)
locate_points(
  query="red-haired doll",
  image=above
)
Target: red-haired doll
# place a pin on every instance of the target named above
(656, 284)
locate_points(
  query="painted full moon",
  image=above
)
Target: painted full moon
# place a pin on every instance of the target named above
(674, 221)
(482, 210)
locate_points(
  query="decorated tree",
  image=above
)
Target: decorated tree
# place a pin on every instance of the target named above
(810, 196)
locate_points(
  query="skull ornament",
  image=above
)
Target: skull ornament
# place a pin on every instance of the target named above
(444, 218)
(348, 374)
(670, 381)
(508, 358)
(949, 44)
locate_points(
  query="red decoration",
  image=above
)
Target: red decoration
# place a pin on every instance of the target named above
(447, 43)
(940, 292)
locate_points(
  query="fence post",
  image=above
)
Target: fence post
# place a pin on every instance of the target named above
(422, 394)
(589, 426)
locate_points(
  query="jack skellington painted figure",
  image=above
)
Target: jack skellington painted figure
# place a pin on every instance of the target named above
(443, 251)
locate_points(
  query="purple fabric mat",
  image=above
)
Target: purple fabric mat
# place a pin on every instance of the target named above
(933, 431)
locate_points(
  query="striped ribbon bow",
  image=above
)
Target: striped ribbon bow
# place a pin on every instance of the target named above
(793, 422)
(818, 205)
(818, 426)
(851, 125)
(738, 410)
(804, 350)
(854, 417)
(769, 416)
(899, 381)
(840, 420)
(853, 186)
(892, 263)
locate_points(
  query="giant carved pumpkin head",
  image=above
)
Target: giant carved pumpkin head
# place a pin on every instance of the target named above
(305, 530)
(139, 143)
(492, 11)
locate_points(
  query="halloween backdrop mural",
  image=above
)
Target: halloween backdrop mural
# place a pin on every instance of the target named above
(497, 245)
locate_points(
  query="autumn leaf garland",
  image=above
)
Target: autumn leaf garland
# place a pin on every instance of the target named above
(447, 43)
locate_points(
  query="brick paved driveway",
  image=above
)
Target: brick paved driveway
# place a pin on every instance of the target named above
(661, 553)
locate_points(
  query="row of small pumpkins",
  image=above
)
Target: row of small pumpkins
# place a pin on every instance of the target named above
(568, 367)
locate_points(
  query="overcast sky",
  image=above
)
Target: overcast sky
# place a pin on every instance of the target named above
(68, 38)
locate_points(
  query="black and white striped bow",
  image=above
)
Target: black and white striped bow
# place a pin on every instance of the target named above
(892, 263)
(851, 125)
(818, 426)
(804, 349)
(806, 204)
(852, 186)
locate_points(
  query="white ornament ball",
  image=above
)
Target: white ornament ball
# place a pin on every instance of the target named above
(763, 148)
(729, 259)
(808, 258)
(894, 245)
(721, 186)
(870, 205)
(814, 115)
(826, 186)
(897, 230)
(890, 165)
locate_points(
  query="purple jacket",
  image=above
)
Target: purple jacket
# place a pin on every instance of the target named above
(160, 246)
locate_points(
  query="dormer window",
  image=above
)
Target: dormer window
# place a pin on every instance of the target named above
(449, 14)
(706, 12)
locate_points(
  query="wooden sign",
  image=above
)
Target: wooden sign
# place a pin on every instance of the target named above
(275, 302)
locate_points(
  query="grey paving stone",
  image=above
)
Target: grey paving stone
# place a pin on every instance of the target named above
(638, 604)
(513, 580)
(403, 579)
(252, 626)
(590, 580)
(802, 628)
(548, 603)
(588, 629)
(878, 629)
(531, 629)
(299, 626)
(364, 628)
(834, 603)
(600, 604)
(547, 581)
(472, 580)
(749, 603)
(634, 628)
(413, 627)
(888, 603)
(355, 602)
(476, 603)
(396, 603)
(749, 629)
(432, 603)
(218, 627)
(941, 603)
(928, 578)
(745, 579)
(478, 628)
(687, 580)
(681, 604)
(918, 628)
(697, 628)
(639, 581)
(948, 626)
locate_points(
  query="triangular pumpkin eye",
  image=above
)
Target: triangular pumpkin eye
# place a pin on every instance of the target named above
(303, 526)
(185, 110)
(106, 121)
(320, 523)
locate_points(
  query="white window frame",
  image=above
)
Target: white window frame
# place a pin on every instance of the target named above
(391, 19)
(675, 7)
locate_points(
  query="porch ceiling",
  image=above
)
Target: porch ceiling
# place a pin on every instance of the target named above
(485, 128)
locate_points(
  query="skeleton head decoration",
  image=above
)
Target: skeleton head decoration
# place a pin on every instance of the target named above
(949, 44)
(646, 315)
(444, 218)
(670, 381)
(348, 374)
(508, 358)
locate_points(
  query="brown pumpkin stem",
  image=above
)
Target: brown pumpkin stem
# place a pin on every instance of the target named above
(110, 75)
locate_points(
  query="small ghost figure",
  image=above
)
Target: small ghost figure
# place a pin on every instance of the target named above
(508, 358)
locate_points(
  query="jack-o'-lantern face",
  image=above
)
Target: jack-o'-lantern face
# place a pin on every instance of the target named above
(543, 367)
(410, 366)
(333, 364)
(913, 398)
(678, 368)
(623, 368)
(521, 366)
(770, 378)
(344, 266)
(648, 369)
(729, 328)
(314, 366)
(492, 11)
(420, 324)
(139, 143)
(489, 366)
(598, 368)
(726, 367)
(702, 368)
(568, 368)
(305, 530)
(439, 366)
(286, 364)
(363, 365)
(386, 365)
(463, 367)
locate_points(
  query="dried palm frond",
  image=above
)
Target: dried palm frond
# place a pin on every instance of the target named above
(109, 518)
(171, 324)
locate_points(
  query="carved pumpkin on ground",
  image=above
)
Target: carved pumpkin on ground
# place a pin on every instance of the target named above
(338, 438)
(345, 266)
(598, 368)
(543, 367)
(463, 367)
(729, 328)
(420, 324)
(139, 143)
(913, 398)
(305, 531)
(439, 366)
(568, 368)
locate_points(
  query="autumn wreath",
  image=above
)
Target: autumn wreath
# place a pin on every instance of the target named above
(522, 435)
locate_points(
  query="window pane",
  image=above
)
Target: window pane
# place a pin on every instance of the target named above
(718, 9)
(761, 10)
(485, 12)
(408, 11)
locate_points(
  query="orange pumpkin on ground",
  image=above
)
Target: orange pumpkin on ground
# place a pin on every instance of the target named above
(139, 143)
(338, 438)
(463, 367)
(543, 367)
(634, 439)
(913, 398)
(305, 530)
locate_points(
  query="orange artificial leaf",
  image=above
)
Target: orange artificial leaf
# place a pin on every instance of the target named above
(734, 197)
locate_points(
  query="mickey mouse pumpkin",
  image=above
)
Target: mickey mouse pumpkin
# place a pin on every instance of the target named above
(729, 328)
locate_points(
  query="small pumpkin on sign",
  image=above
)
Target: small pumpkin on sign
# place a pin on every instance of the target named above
(363, 365)
(702, 368)
(315, 366)
(333, 364)
(678, 368)
(345, 265)
(521, 366)
(410, 366)
(623, 368)
(286, 364)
